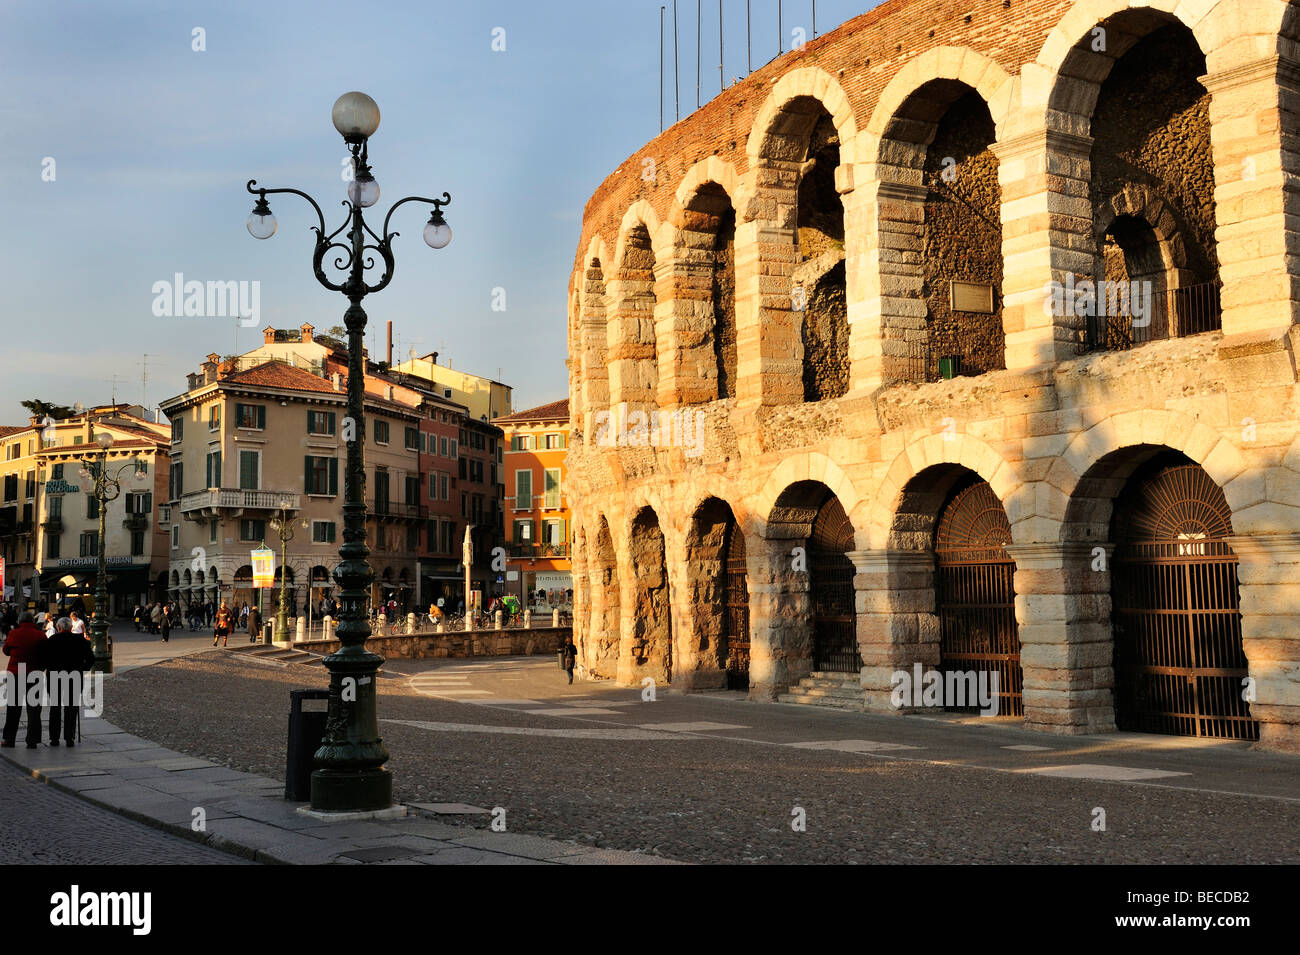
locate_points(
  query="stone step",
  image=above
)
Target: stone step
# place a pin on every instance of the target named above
(835, 692)
(832, 702)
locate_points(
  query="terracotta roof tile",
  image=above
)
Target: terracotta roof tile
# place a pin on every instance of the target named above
(555, 410)
(276, 374)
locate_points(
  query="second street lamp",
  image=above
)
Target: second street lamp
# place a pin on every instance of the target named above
(284, 525)
(351, 776)
(107, 488)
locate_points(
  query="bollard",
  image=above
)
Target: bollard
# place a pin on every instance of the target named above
(555, 617)
(326, 625)
(497, 615)
(528, 620)
(410, 623)
(469, 620)
(440, 626)
(300, 632)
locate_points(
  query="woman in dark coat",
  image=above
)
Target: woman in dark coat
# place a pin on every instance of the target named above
(65, 658)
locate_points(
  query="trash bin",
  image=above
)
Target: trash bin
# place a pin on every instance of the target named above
(268, 632)
(559, 657)
(306, 727)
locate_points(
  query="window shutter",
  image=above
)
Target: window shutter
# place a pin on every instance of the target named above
(334, 475)
(239, 416)
(146, 502)
(306, 476)
(261, 416)
(332, 419)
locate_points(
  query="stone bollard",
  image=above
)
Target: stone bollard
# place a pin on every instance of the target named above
(555, 617)
(528, 620)
(410, 623)
(469, 620)
(300, 630)
(326, 627)
(440, 626)
(497, 617)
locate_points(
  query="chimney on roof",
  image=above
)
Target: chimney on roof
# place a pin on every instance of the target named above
(389, 353)
(435, 358)
(209, 368)
(336, 380)
(268, 335)
(306, 333)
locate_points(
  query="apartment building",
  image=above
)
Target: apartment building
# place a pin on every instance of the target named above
(19, 492)
(538, 519)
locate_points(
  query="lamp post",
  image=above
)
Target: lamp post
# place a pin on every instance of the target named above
(350, 774)
(107, 488)
(284, 525)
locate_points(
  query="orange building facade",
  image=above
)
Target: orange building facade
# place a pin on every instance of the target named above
(537, 518)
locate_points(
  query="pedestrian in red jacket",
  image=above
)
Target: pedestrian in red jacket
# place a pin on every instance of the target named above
(22, 646)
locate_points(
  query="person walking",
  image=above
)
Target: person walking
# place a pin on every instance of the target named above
(221, 626)
(155, 618)
(209, 611)
(135, 616)
(76, 624)
(65, 657)
(570, 656)
(165, 624)
(22, 646)
(254, 624)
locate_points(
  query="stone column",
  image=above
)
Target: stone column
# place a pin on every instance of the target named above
(1256, 206)
(769, 346)
(780, 633)
(1045, 178)
(684, 325)
(591, 323)
(1269, 573)
(1066, 644)
(896, 624)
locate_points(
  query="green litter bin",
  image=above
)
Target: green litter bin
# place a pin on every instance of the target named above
(948, 367)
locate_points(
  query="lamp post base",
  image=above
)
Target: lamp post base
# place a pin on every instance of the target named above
(367, 790)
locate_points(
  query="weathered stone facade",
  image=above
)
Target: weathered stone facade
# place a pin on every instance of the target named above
(1070, 162)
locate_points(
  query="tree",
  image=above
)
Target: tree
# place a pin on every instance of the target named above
(43, 409)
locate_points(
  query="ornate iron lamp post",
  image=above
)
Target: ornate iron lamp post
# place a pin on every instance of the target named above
(350, 774)
(284, 527)
(107, 488)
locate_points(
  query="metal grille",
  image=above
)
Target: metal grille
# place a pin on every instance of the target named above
(835, 638)
(976, 597)
(1179, 662)
(735, 595)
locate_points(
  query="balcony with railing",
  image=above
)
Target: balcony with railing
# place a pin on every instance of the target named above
(53, 524)
(525, 551)
(395, 510)
(213, 500)
(546, 502)
(136, 522)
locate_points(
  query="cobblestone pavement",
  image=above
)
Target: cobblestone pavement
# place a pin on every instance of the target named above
(71, 832)
(710, 778)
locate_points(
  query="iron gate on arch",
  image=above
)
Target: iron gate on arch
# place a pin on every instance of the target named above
(975, 596)
(735, 604)
(835, 637)
(1180, 668)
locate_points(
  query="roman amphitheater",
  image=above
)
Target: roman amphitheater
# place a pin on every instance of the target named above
(865, 271)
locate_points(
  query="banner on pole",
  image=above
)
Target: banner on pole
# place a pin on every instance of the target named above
(264, 567)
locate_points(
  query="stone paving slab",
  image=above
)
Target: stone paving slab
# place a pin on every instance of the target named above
(245, 814)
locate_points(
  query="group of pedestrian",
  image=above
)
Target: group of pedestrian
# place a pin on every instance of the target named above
(54, 659)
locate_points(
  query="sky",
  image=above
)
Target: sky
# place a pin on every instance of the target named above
(127, 150)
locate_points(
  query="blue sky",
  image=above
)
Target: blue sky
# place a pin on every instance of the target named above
(153, 142)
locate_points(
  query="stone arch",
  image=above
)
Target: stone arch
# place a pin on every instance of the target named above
(707, 640)
(805, 466)
(646, 649)
(600, 646)
(937, 219)
(801, 153)
(634, 305)
(946, 448)
(699, 348)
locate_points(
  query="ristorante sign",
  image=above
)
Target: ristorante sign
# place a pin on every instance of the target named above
(92, 562)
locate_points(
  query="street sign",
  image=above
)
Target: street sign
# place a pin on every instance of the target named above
(264, 567)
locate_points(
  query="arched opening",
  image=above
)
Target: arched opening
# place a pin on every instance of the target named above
(650, 652)
(1133, 82)
(813, 515)
(718, 592)
(603, 633)
(633, 357)
(819, 292)
(243, 586)
(1180, 666)
(975, 599)
(942, 220)
(706, 256)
